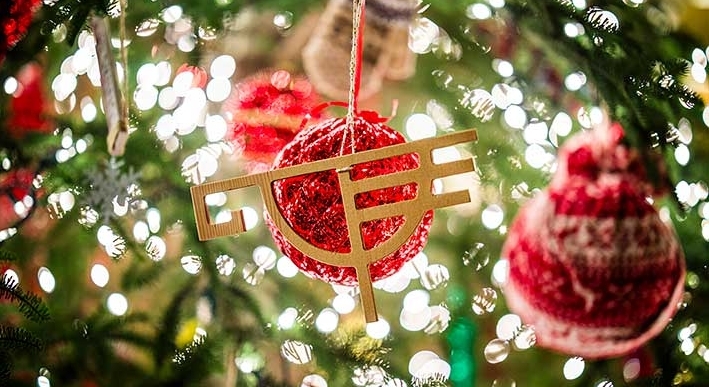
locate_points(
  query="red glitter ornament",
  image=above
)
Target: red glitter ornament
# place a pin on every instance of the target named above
(15, 19)
(592, 266)
(29, 111)
(265, 112)
(312, 203)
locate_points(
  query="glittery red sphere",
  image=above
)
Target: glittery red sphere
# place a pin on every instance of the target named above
(265, 113)
(312, 203)
(592, 267)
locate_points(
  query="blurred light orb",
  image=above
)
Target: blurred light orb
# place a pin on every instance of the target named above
(117, 304)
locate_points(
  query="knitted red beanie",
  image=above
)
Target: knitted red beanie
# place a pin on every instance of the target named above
(592, 266)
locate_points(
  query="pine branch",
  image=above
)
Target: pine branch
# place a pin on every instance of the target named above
(5, 367)
(164, 343)
(16, 338)
(7, 256)
(137, 277)
(29, 304)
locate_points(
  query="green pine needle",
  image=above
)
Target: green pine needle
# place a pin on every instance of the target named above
(29, 304)
(7, 256)
(16, 338)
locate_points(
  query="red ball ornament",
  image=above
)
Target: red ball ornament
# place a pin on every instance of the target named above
(312, 204)
(29, 111)
(14, 187)
(265, 112)
(591, 265)
(199, 75)
(15, 19)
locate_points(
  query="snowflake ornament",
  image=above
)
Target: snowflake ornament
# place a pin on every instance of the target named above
(111, 190)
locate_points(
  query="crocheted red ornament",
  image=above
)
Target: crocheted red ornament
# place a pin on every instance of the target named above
(15, 18)
(312, 203)
(592, 266)
(265, 113)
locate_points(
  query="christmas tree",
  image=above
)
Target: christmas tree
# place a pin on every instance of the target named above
(563, 242)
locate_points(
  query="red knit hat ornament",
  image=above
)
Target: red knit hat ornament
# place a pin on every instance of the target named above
(312, 203)
(592, 266)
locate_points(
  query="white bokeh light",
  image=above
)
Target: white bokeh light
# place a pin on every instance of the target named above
(575, 81)
(536, 132)
(573, 30)
(117, 304)
(507, 326)
(573, 368)
(182, 83)
(478, 11)
(165, 127)
(10, 85)
(682, 154)
(503, 67)
(88, 109)
(172, 13)
(515, 117)
(286, 267)
(420, 126)
(327, 320)
(561, 125)
(419, 360)
(378, 329)
(141, 232)
(147, 74)
(145, 97)
(536, 156)
(500, 272)
(416, 300)
(46, 279)
(167, 99)
(313, 380)
(699, 73)
(105, 235)
(287, 319)
(251, 217)
(222, 66)
(164, 72)
(215, 128)
(218, 89)
(492, 216)
(343, 303)
(152, 215)
(415, 321)
(264, 257)
(10, 276)
(99, 275)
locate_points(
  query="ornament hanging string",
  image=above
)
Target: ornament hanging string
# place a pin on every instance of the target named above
(358, 11)
(124, 58)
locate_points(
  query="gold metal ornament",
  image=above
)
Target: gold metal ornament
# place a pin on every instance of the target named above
(358, 257)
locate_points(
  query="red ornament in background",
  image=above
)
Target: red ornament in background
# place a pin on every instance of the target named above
(29, 111)
(312, 203)
(15, 19)
(14, 187)
(592, 266)
(265, 112)
(199, 75)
